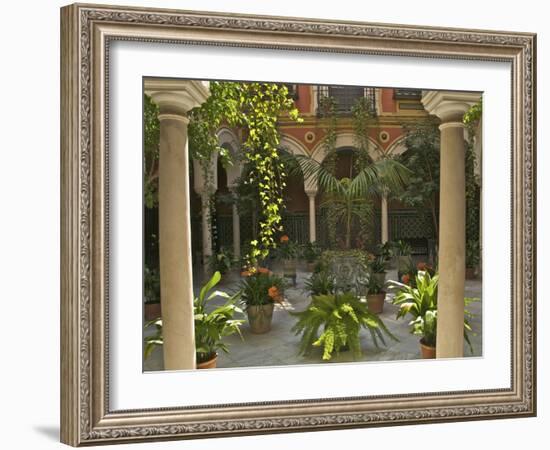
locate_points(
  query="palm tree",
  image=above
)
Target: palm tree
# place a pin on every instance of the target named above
(344, 205)
(353, 197)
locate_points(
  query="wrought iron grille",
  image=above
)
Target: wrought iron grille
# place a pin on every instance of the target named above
(406, 224)
(346, 97)
(407, 94)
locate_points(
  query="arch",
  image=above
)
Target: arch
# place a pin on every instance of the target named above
(397, 147)
(292, 145)
(295, 147)
(347, 139)
(228, 140)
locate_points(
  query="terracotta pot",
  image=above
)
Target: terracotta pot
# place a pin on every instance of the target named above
(427, 351)
(151, 311)
(260, 317)
(210, 364)
(375, 302)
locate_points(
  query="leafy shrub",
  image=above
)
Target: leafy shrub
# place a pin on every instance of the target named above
(210, 327)
(420, 302)
(221, 262)
(334, 322)
(320, 283)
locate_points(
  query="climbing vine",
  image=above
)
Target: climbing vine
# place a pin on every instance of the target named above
(150, 151)
(471, 120)
(255, 108)
(422, 158)
(362, 115)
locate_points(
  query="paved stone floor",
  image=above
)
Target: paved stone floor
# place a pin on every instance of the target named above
(280, 346)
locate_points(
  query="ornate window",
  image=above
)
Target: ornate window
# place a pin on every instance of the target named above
(345, 97)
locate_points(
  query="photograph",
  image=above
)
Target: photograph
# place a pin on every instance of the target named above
(275, 224)
(323, 222)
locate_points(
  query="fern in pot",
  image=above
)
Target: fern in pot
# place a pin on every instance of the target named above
(334, 322)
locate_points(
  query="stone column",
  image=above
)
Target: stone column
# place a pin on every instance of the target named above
(236, 226)
(384, 218)
(205, 186)
(450, 107)
(312, 223)
(175, 99)
(206, 229)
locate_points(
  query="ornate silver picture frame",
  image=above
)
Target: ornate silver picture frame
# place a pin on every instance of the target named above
(87, 34)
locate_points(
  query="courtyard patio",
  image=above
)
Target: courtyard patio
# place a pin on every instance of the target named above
(280, 346)
(255, 192)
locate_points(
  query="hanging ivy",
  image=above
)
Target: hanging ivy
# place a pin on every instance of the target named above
(151, 135)
(255, 108)
(471, 120)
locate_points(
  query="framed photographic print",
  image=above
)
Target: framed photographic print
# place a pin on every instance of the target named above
(277, 224)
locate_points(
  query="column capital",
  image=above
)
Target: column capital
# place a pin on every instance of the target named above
(311, 192)
(449, 106)
(176, 97)
(201, 184)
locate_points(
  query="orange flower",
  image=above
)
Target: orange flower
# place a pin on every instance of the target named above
(406, 278)
(273, 292)
(421, 266)
(245, 273)
(263, 270)
(284, 238)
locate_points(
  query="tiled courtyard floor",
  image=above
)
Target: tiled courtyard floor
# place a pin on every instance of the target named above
(280, 346)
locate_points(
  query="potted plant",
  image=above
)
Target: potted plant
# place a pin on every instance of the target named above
(260, 290)
(377, 268)
(334, 322)
(311, 252)
(288, 251)
(151, 293)
(386, 252)
(320, 283)
(221, 262)
(375, 295)
(211, 325)
(420, 302)
(402, 254)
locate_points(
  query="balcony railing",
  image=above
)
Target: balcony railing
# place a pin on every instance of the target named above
(345, 98)
(407, 94)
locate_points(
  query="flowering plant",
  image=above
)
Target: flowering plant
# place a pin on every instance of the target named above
(261, 287)
(287, 249)
(410, 276)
